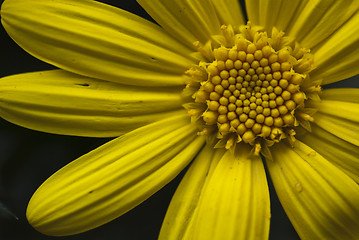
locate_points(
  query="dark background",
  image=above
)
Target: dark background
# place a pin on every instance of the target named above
(28, 157)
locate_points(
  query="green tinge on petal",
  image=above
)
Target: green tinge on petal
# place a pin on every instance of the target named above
(114, 178)
(320, 200)
(229, 12)
(188, 21)
(96, 40)
(337, 58)
(342, 154)
(65, 103)
(235, 202)
(180, 213)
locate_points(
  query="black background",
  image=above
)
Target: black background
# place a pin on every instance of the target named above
(28, 157)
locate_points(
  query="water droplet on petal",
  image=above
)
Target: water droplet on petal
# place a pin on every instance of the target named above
(312, 154)
(298, 187)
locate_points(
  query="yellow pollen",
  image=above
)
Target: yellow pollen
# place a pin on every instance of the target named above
(253, 87)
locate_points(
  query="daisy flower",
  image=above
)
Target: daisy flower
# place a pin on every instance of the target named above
(206, 87)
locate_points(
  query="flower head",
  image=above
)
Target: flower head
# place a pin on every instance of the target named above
(205, 86)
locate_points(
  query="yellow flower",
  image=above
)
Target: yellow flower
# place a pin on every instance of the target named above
(204, 86)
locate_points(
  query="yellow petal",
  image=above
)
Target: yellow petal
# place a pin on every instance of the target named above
(114, 178)
(338, 113)
(341, 94)
(235, 202)
(341, 125)
(65, 103)
(320, 200)
(273, 13)
(309, 22)
(252, 9)
(337, 58)
(339, 109)
(96, 40)
(188, 21)
(319, 19)
(229, 12)
(184, 202)
(342, 154)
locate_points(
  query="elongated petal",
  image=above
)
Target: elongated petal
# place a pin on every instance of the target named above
(229, 12)
(341, 94)
(336, 102)
(317, 20)
(96, 40)
(341, 153)
(320, 200)
(338, 118)
(273, 13)
(309, 22)
(340, 109)
(235, 203)
(65, 103)
(184, 203)
(111, 180)
(338, 113)
(337, 58)
(188, 21)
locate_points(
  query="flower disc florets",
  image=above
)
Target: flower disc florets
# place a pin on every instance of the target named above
(250, 86)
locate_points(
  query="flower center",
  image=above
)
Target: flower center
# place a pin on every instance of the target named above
(250, 86)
